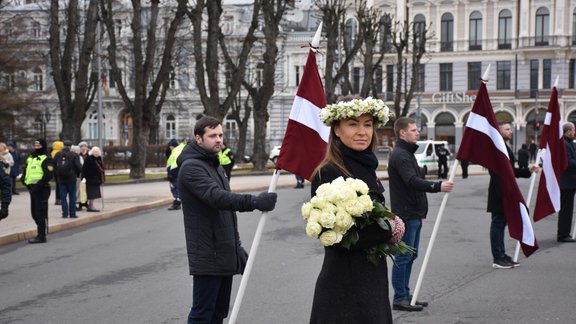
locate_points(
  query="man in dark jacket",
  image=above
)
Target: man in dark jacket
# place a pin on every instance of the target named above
(408, 200)
(567, 187)
(68, 169)
(215, 253)
(442, 155)
(496, 206)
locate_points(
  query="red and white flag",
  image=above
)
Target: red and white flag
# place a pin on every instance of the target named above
(483, 144)
(554, 161)
(306, 137)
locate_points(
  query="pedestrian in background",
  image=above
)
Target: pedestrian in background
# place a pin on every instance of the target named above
(93, 176)
(464, 165)
(299, 182)
(84, 149)
(523, 156)
(496, 205)
(442, 154)
(15, 171)
(67, 171)
(226, 158)
(567, 187)
(175, 149)
(215, 253)
(36, 177)
(533, 149)
(6, 162)
(408, 200)
(57, 146)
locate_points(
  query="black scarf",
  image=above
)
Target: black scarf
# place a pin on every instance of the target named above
(363, 166)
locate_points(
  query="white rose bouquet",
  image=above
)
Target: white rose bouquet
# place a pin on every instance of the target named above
(342, 207)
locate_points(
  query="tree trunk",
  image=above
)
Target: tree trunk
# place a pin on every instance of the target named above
(139, 150)
(260, 157)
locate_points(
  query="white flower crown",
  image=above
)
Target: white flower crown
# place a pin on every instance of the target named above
(355, 108)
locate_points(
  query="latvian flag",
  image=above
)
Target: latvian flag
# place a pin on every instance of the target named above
(483, 144)
(554, 161)
(304, 144)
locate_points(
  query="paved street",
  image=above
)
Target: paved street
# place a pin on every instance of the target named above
(133, 269)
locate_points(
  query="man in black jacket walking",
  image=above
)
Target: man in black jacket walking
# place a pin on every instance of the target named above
(567, 187)
(408, 200)
(215, 253)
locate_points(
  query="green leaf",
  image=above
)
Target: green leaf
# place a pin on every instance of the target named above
(383, 224)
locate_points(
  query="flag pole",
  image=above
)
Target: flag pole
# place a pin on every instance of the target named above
(252, 254)
(433, 237)
(529, 199)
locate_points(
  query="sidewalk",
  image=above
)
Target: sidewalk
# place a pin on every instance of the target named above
(122, 199)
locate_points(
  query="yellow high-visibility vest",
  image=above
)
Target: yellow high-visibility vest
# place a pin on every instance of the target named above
(34, 170)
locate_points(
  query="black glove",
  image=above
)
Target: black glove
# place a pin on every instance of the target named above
(265, 201)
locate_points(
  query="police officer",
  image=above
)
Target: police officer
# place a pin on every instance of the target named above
(226, 158)
(172, 169)
(37, 174)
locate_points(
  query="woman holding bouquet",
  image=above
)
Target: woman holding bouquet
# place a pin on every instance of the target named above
(351, 289)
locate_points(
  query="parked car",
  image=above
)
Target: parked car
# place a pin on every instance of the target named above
(274, 152)
(426, 154)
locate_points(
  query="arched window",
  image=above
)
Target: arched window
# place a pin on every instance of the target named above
(350, 31)
(475, 31)
(419, 29)
(170, 127)
(93, 125)
(542, 26)
(445, 130)
(447, 33)
(505, 29)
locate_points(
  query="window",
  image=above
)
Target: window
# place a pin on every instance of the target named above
(258, 74)
(503, 74)
(93, 125)
(38, 84)
(35, 30)
(505, 29)
(389, 81)
(419, 30)
(474, 75)
(356, 80)
(534, 78)
(445, 76)
(299, 70)
(420, 72)
(447, 33)
(475, 31)
(170, 127)
(378, 75)
(385, 41)
(542, 26)
(546, 73)
(10, 81)
(574, 27)
(230, 128)
(571, 73)
(350, 31)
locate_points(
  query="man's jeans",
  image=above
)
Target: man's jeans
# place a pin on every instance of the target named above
(497, 235)
(403, 268)
(210, 299)
(68, 189)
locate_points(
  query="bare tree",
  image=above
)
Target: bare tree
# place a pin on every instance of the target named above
(409, 39)
(338, 42)
(207, 56)
(150, 79)
(261, 92)
(71, 62)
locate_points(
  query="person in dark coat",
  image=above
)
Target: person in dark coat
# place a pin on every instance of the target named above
(215, 253)
(567, 187)
(442, 154)
(533, 149)
(523, 156)
(496, 206)
(93, 175)
(16, 168)
(464, 164)
(349, 288)
(408, 200)
(68, 169)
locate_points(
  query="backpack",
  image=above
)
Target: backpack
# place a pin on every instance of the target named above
(64, 165)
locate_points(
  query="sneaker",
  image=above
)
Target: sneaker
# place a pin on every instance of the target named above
(514, 264)
(502, 263)
(404, 305)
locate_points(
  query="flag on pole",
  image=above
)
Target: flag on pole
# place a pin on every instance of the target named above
(554, 161)
(306, 137)
(483, 144)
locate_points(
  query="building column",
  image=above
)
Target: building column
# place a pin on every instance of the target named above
(431, 130)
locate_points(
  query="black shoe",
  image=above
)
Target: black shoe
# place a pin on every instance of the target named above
(566, 239)
(3, 213)
(92, 210)
(37, 240)
(73, 216)
(502, 263)
(512, 262)
(419, 303)
(405, 306)
(15, 193)
(64, 216)
(57, 203)
(175, 205)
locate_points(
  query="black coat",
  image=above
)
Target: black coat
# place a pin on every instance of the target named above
(407, 185)
(93, 170)
(210, 222)
(523, 158)
(568, 178)
(75, 166)
(495, 203)
(349, 289)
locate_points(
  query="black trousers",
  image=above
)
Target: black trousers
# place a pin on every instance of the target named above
(565, 213)
(211, 299)
(39, 208)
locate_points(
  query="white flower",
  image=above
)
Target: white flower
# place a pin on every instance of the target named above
(358, 185)
(318, 202)
(355, 108)
(306, 209)
(366, 203)
(313, 229)
(327, 219)
(354, 207)
(343, 221)
(329, 238)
